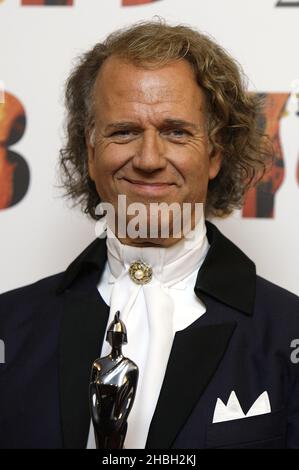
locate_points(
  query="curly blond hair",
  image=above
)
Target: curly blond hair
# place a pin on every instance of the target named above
(232, 110)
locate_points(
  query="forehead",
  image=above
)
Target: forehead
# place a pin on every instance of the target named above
(122, 84)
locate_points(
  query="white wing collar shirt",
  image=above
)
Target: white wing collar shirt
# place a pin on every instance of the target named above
(152, 313)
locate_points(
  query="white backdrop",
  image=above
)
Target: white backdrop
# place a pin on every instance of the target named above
(41, 235)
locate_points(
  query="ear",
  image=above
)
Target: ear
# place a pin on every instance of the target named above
(215, 164)
(89, 140)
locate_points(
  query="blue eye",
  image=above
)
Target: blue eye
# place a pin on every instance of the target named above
(121, 133)
(124, 133)
(177, 133)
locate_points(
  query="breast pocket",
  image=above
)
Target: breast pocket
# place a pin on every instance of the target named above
(265, 431)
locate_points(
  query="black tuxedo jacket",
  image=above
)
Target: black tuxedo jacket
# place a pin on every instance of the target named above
(53, 330)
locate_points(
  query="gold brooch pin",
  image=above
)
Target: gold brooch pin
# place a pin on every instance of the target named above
(140, 272)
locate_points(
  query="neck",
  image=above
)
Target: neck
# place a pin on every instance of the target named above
(150, 242)
(116, 353)
(160, 242)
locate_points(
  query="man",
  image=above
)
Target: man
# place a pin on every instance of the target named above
(157, 114)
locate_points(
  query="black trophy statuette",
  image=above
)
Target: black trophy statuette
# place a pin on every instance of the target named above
(112, 390)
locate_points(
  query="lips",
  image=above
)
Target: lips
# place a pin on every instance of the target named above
(149, 187)
(148, 183)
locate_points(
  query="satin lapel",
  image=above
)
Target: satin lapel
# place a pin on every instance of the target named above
(195, 356)
(82, 331)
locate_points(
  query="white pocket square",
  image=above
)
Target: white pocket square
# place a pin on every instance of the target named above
(233, 408)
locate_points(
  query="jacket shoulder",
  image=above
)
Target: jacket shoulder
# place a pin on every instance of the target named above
(40, 288)
(25, 303)
(19, 307)
(47, 286)
(277, 292)
(276, 301)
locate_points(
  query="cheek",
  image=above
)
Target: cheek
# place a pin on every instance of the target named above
(107, 163)
(198, 186)
(112, 158)
(192, 166)
(194, 170)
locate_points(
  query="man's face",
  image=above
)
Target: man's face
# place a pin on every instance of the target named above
(151, 142)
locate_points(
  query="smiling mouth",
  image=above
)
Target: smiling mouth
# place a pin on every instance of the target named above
(147, 183)
(149, 187)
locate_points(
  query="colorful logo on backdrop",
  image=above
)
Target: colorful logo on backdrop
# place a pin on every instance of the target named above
(64, 3)
(260, 200)
(14, 170)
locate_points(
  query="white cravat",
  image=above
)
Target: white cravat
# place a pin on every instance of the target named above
(152, 314)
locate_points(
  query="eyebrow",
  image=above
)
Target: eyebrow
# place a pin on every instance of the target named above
(169, 122)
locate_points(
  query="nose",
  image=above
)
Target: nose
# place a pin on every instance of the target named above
(149, 155)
